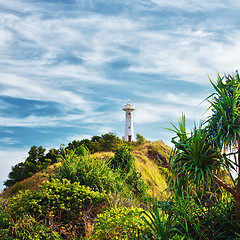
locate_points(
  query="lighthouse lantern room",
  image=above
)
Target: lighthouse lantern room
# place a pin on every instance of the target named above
(128, 108)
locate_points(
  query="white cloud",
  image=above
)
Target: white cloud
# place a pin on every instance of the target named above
(184, 99)
(8, 141)
(104, 130)
(98, 40)
(5, 37)
(188, 54)
(78, 137)
(37, 121)
(21, 87)
(181, 98)
(149, 113)
(189, 5)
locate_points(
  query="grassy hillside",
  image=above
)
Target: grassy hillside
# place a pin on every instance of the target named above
(151, 161)
(103, 195)
(88, 196)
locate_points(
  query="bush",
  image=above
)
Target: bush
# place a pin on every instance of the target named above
(65, 205)
(159, 223)
(119, 223)
(187, 218)
(106, 142)
(123, 161)
(26, 227)
(79, 166)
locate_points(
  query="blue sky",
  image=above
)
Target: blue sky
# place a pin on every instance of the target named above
(68, 67)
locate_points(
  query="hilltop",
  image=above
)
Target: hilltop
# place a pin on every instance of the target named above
(84, 194)
(151, 161)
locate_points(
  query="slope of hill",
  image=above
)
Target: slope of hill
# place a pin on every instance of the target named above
(88, 196)
(151, 161)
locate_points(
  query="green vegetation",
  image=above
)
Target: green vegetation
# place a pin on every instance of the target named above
(106, 189)
(197, 164)
(35, 162)
(38, 160)
(119, 223)
(68, 199)
(107, 142)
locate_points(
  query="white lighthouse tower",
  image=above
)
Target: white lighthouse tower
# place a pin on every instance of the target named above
(128, 108)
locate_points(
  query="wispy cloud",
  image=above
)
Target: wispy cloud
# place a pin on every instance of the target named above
(8, 141)
(73, 64)
(198, 5)
(22, 87)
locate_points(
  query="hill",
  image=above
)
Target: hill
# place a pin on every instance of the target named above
(151, 162)
(88, 195)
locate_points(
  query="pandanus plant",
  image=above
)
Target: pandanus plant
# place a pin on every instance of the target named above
(224, 128)
(197, 157)
(193, 162)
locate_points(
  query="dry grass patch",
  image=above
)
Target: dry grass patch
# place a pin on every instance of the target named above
(31, 183)
(151, 175)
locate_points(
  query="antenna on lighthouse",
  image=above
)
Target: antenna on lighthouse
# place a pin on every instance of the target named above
(128, 108)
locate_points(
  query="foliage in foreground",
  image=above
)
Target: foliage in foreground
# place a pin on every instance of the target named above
(25, 227)
(193, 160)
(187, 218)
(66, 205)
(119, 223)
(63, 206)
(200, 156)
(199, 209)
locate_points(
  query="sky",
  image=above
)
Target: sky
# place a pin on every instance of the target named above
(68, 66)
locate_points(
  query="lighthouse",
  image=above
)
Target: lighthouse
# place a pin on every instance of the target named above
(128, 108)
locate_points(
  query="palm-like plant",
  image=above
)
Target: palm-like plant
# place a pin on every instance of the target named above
(161, 224)
(224, 123)
(224, 126)
(193, 160)
(198, 156)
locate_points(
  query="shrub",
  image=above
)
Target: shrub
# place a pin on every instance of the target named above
(124, 162)
(26, 227)
(64, 204)
(106, 142)
(122, 159)
(119, 223)
(88, 171)
(187, 219)
(159, 222)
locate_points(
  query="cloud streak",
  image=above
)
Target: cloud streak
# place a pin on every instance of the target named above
(73, 64)
(63, 57)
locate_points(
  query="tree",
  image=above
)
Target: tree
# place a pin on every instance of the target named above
(110, 141)
(193, 160)
(35, 162)
(17, 174)
(54, 155)
(224, 127)
(198, 157)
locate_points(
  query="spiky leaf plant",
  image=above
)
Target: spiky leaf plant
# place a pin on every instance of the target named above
(193, 160)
